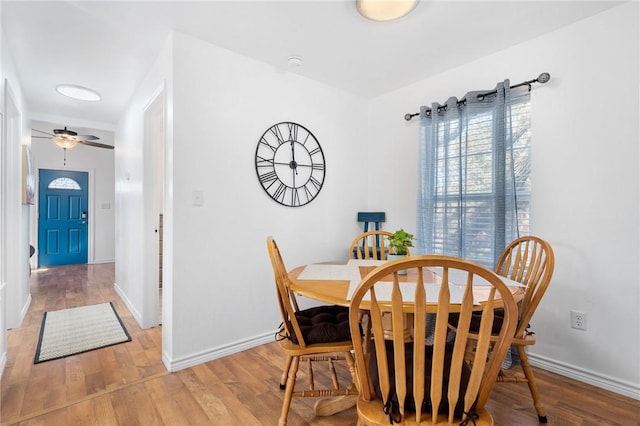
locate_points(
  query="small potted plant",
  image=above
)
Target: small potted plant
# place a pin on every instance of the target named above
(399, 242)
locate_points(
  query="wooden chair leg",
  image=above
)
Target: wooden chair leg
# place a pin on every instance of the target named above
(533, 388)
(285, 372)
(288, 393)
(352, 370)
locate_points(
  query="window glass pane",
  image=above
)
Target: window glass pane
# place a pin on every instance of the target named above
(470, 179)
(64, 183)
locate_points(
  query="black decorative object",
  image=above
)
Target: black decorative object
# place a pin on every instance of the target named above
(290, 164)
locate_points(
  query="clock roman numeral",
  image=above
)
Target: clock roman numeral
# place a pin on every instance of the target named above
(293, 131)
(263, 141)
(280, 192)
(315, 182)
(317, 166)
(295, 197)
(308, 193)
(315, 151)
(304, 142)
(278, 134)
(268, 177)
(264, 162)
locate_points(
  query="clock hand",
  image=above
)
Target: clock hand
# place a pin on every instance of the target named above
(293, 163)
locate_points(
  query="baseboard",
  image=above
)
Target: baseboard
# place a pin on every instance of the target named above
(100, 261)
(622, 387)
(25, 309)
(125, 299)
(3, 362)
(219, 352)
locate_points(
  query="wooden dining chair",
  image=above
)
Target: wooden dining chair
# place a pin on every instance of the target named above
(530, 261)
(370, 245)
(399, 380)
(319, 335)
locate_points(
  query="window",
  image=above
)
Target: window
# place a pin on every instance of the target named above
(475, 185)
(64, 183)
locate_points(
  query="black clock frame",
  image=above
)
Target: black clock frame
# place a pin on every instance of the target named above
(290, 181)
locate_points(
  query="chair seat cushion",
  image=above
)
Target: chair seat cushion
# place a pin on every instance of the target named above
(392, 408)
(476, 318)
(323, 324)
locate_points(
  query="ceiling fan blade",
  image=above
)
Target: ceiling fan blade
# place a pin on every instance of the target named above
(40, 131)
(40, 137)
(96, 144)
(88, 138)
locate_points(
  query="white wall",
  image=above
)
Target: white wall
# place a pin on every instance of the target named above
(14, 266)
(218, 284)
(131, 229)
(99, 163)
(585, 183)
(222, 278)
(3, 282)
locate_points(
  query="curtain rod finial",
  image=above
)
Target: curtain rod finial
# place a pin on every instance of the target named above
(544, 77)
(408, 117)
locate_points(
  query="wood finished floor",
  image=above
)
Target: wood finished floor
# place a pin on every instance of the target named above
(127, 384)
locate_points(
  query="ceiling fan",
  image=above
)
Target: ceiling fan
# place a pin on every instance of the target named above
(66, 139)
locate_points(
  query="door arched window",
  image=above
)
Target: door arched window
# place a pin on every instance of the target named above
(64, 183)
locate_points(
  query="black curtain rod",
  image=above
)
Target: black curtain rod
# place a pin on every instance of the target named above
(542, 78)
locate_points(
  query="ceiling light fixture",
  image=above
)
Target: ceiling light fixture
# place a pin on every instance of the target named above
(294, 62)
(78, 92)
(65, 141)
(385, 10)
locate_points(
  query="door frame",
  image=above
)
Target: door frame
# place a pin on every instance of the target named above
(91, 218)
(154, 137)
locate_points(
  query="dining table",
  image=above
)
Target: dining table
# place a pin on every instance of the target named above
(333, 282)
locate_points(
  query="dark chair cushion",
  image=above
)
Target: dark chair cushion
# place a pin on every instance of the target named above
(476, 317)
(323, 324)
(392, 407)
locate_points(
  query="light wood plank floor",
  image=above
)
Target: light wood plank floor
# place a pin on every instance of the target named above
(127, 384)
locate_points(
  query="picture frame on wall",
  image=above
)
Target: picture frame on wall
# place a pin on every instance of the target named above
(28, 177)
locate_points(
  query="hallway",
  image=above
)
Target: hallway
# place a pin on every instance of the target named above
(29, 388)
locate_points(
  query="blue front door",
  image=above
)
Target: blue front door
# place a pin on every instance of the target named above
(63, 217)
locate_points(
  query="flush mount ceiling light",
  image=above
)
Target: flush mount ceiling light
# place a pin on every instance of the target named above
(385, 10)
(78, 92)
(294, 62)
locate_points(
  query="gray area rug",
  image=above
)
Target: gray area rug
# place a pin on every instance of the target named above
(76, 330)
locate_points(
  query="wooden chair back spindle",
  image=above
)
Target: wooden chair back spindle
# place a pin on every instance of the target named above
(447, 348)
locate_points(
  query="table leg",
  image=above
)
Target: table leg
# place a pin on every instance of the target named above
(407, 327)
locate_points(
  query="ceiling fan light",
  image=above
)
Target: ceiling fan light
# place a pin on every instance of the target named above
(65, 141)
(385, 10)
(78, 92)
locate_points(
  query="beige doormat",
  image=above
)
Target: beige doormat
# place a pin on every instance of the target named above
(76, 330)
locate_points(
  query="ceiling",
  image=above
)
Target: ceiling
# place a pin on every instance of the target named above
(109, 46)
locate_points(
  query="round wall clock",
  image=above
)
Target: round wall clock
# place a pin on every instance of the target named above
(290, 164)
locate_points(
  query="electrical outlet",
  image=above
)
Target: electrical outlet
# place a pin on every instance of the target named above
(578, 320)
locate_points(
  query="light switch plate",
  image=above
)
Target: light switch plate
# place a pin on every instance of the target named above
(198, 198)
